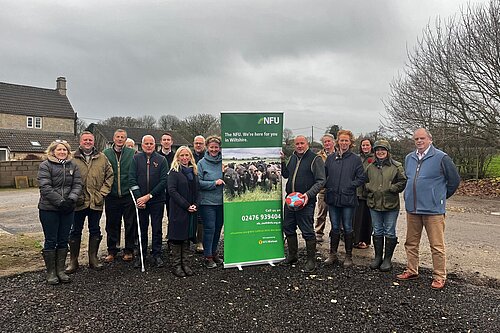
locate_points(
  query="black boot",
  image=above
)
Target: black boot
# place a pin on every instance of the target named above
(94, 242)
(378, 245)
(348, 250)
(311, 256)
(390, 245)
(74, 253)
(293, 248)
(334, 246)
(177, 260)
(184, 255)
(61, 255)
(49, 256)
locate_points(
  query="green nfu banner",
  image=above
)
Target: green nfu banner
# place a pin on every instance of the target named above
(251, 147)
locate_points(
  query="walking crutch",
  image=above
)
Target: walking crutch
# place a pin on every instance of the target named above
(138, 230)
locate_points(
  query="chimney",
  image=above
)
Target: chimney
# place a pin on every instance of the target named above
(61, 85)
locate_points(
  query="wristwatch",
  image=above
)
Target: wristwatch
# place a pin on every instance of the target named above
(150, 196)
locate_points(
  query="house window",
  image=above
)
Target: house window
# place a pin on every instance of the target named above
(4, 154)
(38, 122)
(34, 122)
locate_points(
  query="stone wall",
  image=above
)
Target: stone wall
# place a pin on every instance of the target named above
(10, 169)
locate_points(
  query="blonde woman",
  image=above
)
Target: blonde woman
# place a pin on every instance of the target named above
(182, 215)
(60, 187)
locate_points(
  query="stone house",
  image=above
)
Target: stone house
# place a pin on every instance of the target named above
(32, 117)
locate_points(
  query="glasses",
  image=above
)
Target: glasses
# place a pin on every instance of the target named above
(198, 143)
(60, 141)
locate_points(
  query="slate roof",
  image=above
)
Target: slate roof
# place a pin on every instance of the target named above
(20, 141)
(136, 134)
(33, 101)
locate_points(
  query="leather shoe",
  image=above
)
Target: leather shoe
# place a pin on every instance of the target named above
(437, 284)
(406, 276)
(127, 257)
(109, 258)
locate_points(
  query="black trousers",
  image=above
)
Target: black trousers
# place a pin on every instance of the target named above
(117, 208)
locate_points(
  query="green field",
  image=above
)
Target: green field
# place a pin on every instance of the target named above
(255, 195)
(494, 167)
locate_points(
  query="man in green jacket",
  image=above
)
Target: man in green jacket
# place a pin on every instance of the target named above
(119, 202)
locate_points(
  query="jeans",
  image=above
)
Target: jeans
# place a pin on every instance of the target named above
(94, 216)
(116, 208)
(56, 226)
(341, 215)
(213, 219)
(384, 222)
(303, 218)
(155, 210)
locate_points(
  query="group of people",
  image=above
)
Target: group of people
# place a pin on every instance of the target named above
(360, 192)
(135, 187)
(361, 195)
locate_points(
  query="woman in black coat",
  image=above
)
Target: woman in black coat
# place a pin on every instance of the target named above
(182, 215)
(60, 186)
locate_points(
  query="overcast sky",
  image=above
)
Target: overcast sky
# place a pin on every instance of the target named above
(321, 62)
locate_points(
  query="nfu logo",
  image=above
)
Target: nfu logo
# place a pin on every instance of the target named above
(269, 120)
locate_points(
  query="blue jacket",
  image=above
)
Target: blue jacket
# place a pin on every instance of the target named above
(209, 170)
(431, 181)
(344, 174)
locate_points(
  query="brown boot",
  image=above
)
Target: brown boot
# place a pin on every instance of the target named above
(185, 261)
(334, 245)
(348, 250)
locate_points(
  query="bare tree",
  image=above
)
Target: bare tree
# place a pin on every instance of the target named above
(147, 121)
(453, 76)
(451, 85)
(118, 121)
(199, 124)
(81, 125)
(169, 122)
(287, 135)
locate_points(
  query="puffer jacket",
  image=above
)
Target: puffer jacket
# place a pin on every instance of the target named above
(384, 182)
(58, 181)
(209, 170)
(97, 180)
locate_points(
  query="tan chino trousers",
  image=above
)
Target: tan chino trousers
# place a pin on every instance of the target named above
(434, 227)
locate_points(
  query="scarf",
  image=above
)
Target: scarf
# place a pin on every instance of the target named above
(188, 172)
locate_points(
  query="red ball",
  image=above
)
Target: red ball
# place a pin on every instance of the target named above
(295, 200)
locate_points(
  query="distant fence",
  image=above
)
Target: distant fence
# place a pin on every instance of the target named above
(10, 169)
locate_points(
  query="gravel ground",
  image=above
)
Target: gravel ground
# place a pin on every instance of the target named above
(257, 299)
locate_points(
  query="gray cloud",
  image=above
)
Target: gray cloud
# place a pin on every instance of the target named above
(322, 62)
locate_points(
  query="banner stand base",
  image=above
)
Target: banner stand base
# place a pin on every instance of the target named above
(240, 265)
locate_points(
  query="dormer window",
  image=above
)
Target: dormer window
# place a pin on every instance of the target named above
(34, 122)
